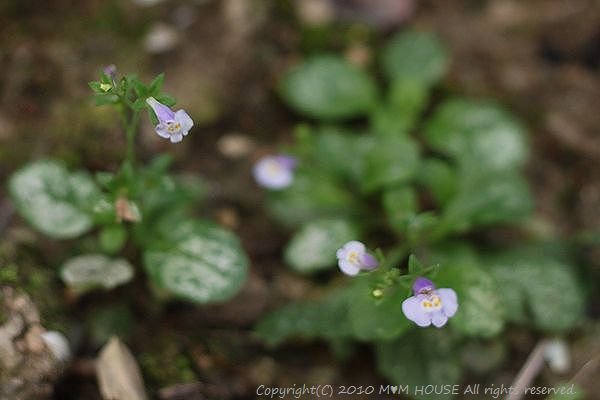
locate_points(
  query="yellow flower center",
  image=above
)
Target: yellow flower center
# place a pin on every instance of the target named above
(353, 257)
(432, 303)
(173, 127)
(274, 168)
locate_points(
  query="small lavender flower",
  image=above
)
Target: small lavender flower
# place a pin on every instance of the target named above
(171, 125)
(353, 257)
(111, 71)
(275, 172)
(430, 305)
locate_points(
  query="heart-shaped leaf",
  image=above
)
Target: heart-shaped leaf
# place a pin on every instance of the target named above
(539, 284)
(417, 56)
(196, 261)
(391, 160)
(328, 87)
(54, 201)
(314, 246)
(480, 310)
(479, 134)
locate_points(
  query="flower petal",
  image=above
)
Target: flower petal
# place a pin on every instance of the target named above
(270, 175)
(449, 301)
(348, 268)
(412, 309)
(176, 138)
(439, 319)
(184, 120)
(422, 284)
(368, 261)
(163, 113)
(161, 130)
(355, 245)
(288, 162)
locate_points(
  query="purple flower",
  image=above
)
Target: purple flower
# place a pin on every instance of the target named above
(171, 125)
(353, 257)
(275, 172)
(430, 305)
(111, 71)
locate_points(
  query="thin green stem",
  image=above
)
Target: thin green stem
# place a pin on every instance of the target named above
(130, 134)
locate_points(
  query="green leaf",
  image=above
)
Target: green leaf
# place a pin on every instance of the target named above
(314, 246)
(163, 194)
(91, 271)
(166, 99)
(340, 153)
(391, 160)
(156, 84)
(417, 56)
(326, 318)
(139, 104)
(197, 261)
(376, 319)
(419, 358)
(440, 178)
(52, 200)
(140, 89)
(479, 134)
(539, 284)
(407, 100)
(420, 226)
(106, 180)
(312, 195)
(328, 87)
(102, 99)
(96, 87)
(112, 238)
(400, 205)
(414, 266)
(480, 310)
(486, 199)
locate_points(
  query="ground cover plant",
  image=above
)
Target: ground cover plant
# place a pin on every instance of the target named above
(141, 205)
(374, 198)
(388, 158)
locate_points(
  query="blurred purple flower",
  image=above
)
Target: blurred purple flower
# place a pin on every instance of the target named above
(171, 125)
(430, 305)
(110, 71)
(353, 257)
(275, 172)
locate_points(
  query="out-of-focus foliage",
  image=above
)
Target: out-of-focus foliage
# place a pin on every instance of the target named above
(139, 205)
(424, 184)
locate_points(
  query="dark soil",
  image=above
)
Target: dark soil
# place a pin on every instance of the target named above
(540, 57)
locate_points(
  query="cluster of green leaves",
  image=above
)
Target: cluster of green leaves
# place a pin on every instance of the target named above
(424, 170)
(139, 214)
(107, 90)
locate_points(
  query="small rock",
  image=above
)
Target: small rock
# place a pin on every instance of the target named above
(235, 145)
(33, 339)
(228, 217)
(161, 39)
(315, 12)
(119, 376)
(58, 345)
